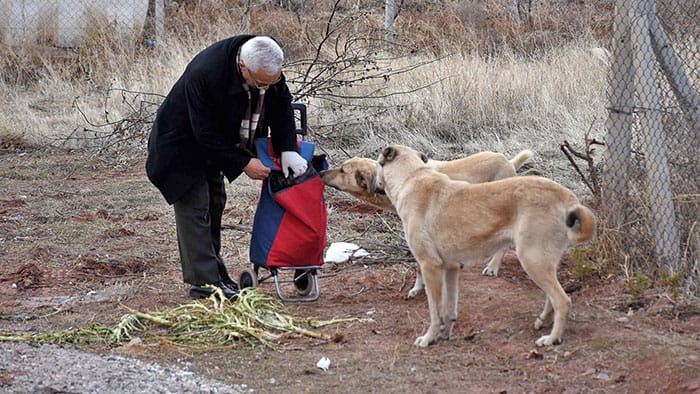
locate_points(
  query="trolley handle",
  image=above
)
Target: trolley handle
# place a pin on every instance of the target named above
(301, 109)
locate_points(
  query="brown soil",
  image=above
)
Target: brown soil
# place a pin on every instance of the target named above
(80, 240)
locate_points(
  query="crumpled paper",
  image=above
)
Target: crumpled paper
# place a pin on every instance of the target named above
(324, 363)
(340, 252)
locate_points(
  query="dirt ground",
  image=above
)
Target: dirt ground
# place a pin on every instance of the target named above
(81, 238)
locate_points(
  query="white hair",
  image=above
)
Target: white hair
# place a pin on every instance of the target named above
(262, 54)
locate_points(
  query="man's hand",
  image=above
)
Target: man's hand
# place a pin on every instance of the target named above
(256, 169)
(292, 160)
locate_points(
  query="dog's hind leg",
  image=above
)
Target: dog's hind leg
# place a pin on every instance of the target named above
(539, 256)
(544, 318)
(418, 286)
(545, 276)
(561, 304)
(494, 264)
(450, 296)
(432, 272)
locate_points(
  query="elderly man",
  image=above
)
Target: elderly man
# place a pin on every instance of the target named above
(230, 93)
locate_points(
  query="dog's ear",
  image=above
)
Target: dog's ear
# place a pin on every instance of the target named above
(388, 154)
(424, 157)
(363, 182)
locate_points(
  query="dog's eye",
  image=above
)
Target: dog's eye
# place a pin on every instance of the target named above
(342, 171)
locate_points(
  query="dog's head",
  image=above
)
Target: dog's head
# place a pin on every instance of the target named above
(399, 156)
(356, 176)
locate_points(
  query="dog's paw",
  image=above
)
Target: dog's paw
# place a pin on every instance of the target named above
(424, 341)
(539, 323)
(488, 271)
(414, 292)
(445, 334)
(548, 340)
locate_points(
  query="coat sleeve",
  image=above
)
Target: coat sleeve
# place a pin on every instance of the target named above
(282, 120)
(218, 145)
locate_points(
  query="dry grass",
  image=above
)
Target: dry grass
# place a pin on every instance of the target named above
(466, 101)
(503, 104)
(489, 26)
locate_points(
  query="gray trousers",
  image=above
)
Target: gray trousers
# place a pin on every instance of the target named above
(198, 221)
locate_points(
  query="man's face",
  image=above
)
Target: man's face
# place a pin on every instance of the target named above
(259, 79)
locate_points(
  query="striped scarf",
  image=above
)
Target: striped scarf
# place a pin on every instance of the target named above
(250, 122)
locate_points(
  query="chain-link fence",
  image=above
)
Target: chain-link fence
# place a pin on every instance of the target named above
(651, 186)
(62, 23)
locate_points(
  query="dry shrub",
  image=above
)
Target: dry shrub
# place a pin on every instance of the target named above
(104, 52)
(20, 65)
(12, 140)
(288, 30)
(204, 21)
(491, 26)
(48, 33)
(629, 249)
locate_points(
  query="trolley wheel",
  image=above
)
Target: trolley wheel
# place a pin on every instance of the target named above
(302, 282)
(247, 278)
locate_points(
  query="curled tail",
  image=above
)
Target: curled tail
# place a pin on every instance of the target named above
(581, 224)
(521, 158)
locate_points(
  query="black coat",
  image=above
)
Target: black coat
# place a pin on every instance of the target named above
(197, 126)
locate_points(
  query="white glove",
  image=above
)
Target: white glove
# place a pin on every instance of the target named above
(293, 161)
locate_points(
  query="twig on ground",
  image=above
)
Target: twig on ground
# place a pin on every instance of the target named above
(403, 281)
(357, 293)
(234, 226)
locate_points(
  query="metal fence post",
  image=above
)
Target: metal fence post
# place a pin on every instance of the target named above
(659, 196)
(619, 123)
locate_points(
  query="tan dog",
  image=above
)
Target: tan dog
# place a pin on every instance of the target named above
(356, 177)
(448, 223)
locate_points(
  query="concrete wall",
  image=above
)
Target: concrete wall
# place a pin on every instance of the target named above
(63, 22)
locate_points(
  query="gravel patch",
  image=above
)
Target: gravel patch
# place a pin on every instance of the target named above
(54, 369)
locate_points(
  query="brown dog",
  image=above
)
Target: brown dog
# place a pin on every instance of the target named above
(356, 177)
(448, 223)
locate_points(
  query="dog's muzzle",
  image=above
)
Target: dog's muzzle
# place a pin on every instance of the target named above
(326, 182)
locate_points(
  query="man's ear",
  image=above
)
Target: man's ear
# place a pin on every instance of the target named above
(388, 154)
(424, 158)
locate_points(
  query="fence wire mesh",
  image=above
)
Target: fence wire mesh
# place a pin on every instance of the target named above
(651, 186)
(66, 24)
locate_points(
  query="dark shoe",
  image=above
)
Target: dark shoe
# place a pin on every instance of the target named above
(197, 291)
(223, 273)
(231, 284)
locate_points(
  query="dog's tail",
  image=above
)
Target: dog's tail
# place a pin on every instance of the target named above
(521, 158)
(580, 224)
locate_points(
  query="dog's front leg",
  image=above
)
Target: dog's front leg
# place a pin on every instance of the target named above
(432, 276)
(449, 304)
